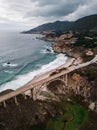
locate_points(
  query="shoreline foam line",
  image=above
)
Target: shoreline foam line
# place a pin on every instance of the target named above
(24, 79)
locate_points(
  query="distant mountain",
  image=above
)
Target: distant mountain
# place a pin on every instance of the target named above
(85, 23)
(56, 26)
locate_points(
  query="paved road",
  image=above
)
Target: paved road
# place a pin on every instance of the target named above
(43, 79)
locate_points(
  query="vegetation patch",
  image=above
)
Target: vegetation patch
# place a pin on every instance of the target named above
(74, 117)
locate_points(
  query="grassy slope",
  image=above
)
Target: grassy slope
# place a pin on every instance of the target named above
(74, 117)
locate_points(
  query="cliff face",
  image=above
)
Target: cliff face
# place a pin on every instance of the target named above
(76, 46)
(76, 85)
(73, 52)
(80, 82)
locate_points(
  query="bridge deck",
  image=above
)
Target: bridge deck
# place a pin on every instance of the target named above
(29, 86)
(40, 80)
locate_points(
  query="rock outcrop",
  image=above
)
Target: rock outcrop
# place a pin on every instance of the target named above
(80, 82)
(27, 114)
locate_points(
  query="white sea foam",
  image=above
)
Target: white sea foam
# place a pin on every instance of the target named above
(47, 49)
(23, 79)
(9, 65)
(7, 71)
(38, 65)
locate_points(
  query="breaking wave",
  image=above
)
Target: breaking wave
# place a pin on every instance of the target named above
(20, 80)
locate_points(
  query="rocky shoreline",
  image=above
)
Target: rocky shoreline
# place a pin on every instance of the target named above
(70, 43)
(80, 94)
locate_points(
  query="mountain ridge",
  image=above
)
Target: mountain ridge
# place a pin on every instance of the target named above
(84, 23)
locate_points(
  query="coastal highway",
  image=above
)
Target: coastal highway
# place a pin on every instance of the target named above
(45, 78)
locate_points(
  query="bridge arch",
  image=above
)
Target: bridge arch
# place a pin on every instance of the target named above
(56, 85)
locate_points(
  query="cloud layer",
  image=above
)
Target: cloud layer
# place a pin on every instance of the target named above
(31, 13)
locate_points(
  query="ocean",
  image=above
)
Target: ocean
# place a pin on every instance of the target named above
(23, 56)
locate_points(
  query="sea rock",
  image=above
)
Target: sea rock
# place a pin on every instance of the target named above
(48, 50)
(8, 63)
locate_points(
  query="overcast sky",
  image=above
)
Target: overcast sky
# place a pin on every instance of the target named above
(26, 14)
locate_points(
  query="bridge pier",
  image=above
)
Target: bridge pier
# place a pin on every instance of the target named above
(31, 93)
(63, 77)
(25, 97)
(66, 78)
(16, 102)
(4, 104)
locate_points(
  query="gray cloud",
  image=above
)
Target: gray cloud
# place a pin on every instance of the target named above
(31, 13)
(88, 8)
(47, 8)
(45, 2)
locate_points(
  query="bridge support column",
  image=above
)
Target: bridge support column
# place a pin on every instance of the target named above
(31, 93)
(66, 80)
(16, 102)
(4, 104)
(63, 77)
(25, 97)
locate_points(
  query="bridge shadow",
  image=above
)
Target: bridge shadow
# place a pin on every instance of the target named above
(56, 86)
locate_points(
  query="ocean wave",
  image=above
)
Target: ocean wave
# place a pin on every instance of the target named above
(23, 79)
(38, 65)
(9, 65)
(7, 71)
(47, 49)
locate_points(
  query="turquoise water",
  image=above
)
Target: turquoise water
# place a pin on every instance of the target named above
(28, 57)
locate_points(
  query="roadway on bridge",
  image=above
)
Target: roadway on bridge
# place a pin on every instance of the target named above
(39, 80)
